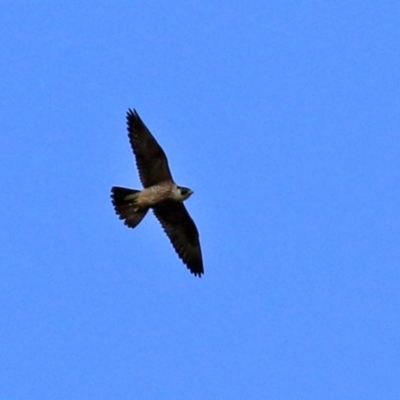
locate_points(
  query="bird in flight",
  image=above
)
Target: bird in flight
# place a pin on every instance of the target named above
(160, 193)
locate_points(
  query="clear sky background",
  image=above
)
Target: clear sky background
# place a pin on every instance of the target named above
(284, 118)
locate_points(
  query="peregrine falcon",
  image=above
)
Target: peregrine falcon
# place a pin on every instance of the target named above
(160, 193)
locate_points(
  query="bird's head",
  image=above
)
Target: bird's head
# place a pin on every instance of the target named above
(183, 193)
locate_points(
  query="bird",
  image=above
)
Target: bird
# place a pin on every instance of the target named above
(160, 193)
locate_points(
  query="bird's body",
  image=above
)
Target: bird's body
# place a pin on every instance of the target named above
(153, 195)
(160, 193)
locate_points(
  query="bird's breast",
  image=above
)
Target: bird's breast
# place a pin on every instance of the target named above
(153, 195)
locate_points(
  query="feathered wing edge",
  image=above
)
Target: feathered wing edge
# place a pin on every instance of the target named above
(183, 234)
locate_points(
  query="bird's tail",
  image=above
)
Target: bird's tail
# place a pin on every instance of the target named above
(124, 202)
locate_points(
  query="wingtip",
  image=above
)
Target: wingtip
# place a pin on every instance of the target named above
(132, 118)
(132, 111)
(197, 273)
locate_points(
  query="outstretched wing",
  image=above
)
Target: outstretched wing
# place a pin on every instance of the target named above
(183, 234)
(151, 160)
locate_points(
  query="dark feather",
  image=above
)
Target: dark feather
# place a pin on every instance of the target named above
(183, 234)
(151, 160)
(123, 200)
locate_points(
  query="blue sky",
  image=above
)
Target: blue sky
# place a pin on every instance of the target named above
(283, 117)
